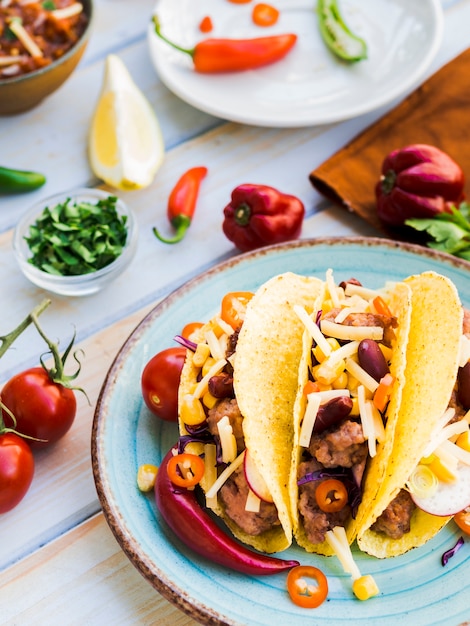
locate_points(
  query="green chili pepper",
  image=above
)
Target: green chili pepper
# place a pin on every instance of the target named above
(337, 36)
(18, 181)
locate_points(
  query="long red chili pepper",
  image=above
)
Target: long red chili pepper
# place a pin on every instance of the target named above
(182, 203)
(192, 524)
(212, 55)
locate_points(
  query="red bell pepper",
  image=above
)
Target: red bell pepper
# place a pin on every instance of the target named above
(182, 203)
(417, 181)
(259, 216)
(196, 529)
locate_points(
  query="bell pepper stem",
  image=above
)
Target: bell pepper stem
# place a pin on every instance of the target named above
(7, 340)
(243, 214)
(158, 31)
(388, 181)
(181, 223)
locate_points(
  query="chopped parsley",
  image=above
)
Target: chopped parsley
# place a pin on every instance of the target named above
(75, 238)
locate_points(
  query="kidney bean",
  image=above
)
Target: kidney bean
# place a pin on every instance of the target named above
(221, 385)
(463, 394)
(332, 412)
(371, 359)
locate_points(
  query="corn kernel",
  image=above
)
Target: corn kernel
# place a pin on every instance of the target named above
(201, 354)
(191, 411)
(386, 351)
(327, 372)
(208, 400)
(365, 587)
(341, 382)
(442, 471)
(463, 440)
(355, 408)
(318, 352)
(208, 363)
(146, 476)
(326, 306)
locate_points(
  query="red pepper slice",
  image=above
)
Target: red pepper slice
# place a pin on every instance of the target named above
(259, 215)
(417, 181)
(331, 495)
(265, 14)
(182, 203)
(185, 470)
(233, 307)
(197, 530)
(234, 55)
(305, 595)
(206, 25)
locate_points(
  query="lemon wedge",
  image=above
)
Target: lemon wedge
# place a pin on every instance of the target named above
(125, 144)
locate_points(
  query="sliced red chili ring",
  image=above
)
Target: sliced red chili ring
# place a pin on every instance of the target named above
(303, 593)
(331, 495)
(185, 470)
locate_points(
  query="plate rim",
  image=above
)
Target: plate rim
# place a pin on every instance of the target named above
(412, 80)
(148, 568)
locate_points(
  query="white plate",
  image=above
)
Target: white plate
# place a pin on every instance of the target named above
(309, 86)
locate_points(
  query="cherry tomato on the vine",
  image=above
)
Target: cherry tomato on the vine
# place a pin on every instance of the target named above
(16, 470)
(160, 381)
(43, 409)
(462, 520)
(303, 592)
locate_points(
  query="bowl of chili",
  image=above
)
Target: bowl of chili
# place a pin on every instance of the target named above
(75, 243)
(41, 43)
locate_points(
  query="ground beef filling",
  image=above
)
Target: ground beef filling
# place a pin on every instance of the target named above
(341, 446)
(368, 319)
(395, 520)
(233, 494)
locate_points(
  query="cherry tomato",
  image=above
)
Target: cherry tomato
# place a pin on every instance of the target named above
(190, 328)
(264, 14)
(462, 520)
(43, 409)
(185, 470)
(160, 381)
(233, 307)
(303, 593)
(16, 470)
(331, 495)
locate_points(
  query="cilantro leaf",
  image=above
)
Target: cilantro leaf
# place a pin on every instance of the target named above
(449, 232)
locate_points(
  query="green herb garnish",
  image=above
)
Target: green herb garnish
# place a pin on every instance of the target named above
(450, 231)
(71, 239)
(48, 5)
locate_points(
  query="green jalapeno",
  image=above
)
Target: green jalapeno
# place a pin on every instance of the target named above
(336, 35)
(18, 181)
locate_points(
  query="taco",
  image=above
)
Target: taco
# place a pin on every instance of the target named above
(349, 394)
(236, 400)
(427, 474)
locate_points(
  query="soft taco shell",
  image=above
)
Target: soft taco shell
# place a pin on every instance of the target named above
(431, 369)
(399, 301)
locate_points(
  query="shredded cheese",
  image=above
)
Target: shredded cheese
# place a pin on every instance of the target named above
(338, 541)
(359, 290)
(459, 453)
(313, 329)
(214, 345)
(332, 290)
(74, 9)
(313, 404)
(362, 376)
(224, 327)
(210, 471)
(10, 60)
(326, 396)
(227, 440)
(253, 503)
(366, 420)
(352, 333)
(228, 471)
(444, 430)
(202, 385)
(28, 42)
(464, 351)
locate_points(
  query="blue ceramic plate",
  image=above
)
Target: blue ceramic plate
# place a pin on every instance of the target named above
(414, 588)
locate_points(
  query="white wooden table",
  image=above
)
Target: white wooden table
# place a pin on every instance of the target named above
(59, 562)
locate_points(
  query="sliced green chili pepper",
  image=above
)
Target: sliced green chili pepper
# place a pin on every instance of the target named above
(18, 181)
(337, 36)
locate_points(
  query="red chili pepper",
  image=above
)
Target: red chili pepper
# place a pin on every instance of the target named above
(417, 181)
(212, 55)
(193, 525)
(259, 216)
(182, 203)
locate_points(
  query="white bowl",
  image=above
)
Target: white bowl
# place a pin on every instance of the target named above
(84, 284)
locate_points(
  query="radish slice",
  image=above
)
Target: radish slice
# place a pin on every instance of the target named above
(254, 479)
(449, 498)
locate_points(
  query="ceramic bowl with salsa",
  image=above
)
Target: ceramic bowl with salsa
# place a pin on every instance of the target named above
(41, 43)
